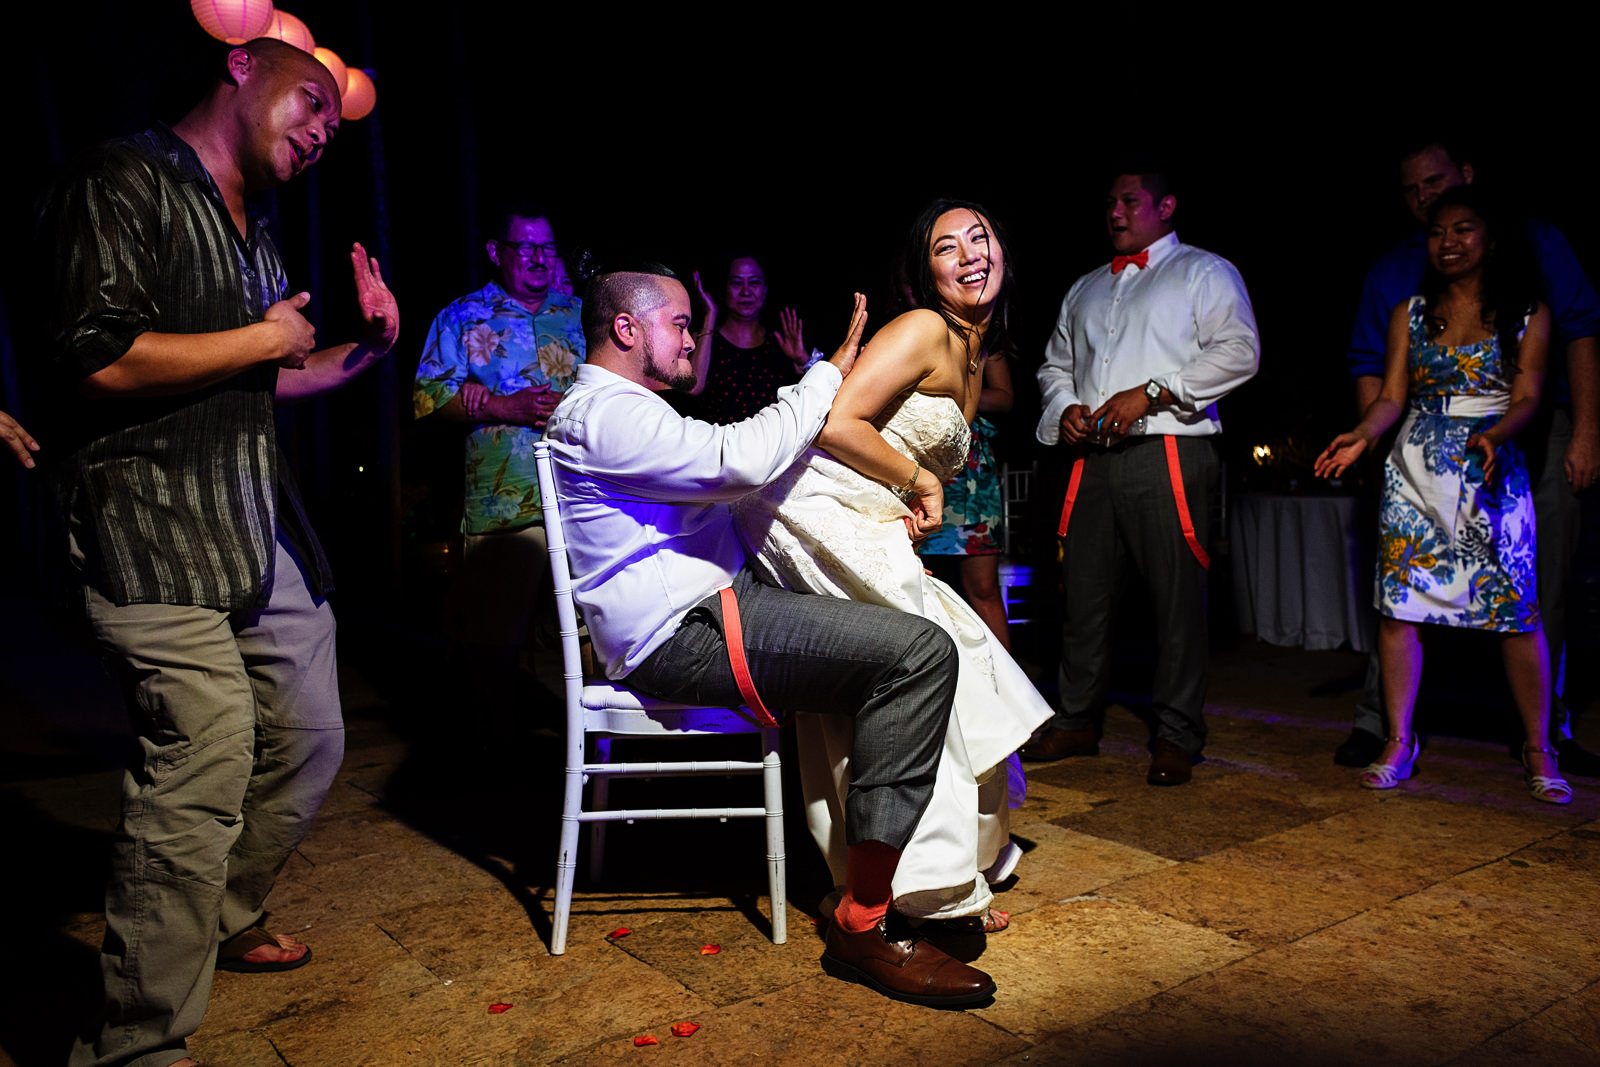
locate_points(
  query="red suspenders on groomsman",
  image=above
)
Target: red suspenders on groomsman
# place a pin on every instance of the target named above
(1174, 474)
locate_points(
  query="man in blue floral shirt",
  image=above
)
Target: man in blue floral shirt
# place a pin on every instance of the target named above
(499, 359)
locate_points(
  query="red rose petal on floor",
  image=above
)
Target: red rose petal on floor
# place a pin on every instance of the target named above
(684, 1029)
(621, 931)
(645, 1039)
(496, 1009)
(710, 950)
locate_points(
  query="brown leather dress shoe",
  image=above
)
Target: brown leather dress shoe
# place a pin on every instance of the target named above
(1170, 764)
(1056, 743)
(896, 962)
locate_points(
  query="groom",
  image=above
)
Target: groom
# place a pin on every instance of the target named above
(653, 542)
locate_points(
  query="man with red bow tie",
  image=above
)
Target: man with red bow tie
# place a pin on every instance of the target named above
(1144, 348)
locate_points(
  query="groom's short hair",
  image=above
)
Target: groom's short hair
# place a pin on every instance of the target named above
(635, 289)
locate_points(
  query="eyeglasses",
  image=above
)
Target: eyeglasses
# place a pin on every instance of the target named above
(529, 249)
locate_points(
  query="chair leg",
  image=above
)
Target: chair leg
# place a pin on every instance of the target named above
(567, 860)
(777, 874)
(602, 794)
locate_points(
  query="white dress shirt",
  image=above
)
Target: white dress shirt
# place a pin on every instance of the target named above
(645, 496)
(1183, 320)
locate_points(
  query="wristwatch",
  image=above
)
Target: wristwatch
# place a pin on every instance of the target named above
(1152, 391)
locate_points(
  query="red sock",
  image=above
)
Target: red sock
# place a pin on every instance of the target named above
(866, 886)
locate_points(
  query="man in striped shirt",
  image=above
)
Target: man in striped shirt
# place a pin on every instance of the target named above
(173, 334)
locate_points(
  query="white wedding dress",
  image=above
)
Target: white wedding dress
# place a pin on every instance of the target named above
(824, 528)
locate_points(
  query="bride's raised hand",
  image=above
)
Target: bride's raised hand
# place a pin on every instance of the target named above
(1340, 453)
(844, 357)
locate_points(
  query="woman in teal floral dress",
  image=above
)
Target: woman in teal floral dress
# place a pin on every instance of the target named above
(1456, 536)
(973, 506)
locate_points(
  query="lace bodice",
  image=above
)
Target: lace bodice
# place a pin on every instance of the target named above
(929, 429)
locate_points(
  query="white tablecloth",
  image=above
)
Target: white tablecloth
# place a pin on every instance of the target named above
(1299, 576)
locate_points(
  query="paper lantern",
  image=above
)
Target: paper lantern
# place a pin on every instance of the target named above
(360, 95)
(330, 59)
(233, 21)
(290, 30)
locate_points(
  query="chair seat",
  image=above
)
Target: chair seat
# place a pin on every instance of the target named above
(616, 709)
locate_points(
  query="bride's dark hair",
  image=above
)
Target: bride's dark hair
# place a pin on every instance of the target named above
(918, 273)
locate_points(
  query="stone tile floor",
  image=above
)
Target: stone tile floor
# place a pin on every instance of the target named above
(1269, 912)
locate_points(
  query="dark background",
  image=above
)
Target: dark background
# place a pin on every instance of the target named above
(687, 134)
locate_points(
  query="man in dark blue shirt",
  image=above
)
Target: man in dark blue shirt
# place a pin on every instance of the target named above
(1563, 446)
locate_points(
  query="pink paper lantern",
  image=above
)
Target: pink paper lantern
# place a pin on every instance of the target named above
(233, 21)
(330, 59)
(360, 95)
(290, 30)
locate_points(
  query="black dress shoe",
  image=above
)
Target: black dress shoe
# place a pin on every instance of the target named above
(1055, 743)
(894, 960)
(1575, 759)
(1170, 764)
(1360, 749)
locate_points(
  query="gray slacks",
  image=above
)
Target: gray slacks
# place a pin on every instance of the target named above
(894, 672)
(1126, 513)
(240, 735)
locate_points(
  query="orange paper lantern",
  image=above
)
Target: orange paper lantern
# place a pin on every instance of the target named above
(330, 59)
(360, 95)
(232, 21)
(290, 30)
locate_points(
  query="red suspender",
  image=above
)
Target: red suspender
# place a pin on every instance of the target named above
(733, 632)
(1072, 496)
(1176, 474)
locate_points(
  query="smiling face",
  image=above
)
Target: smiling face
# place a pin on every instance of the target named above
(1458, 241)
(967, 263)
(1427, 174)
(524, 258)
(746, 291)
(1134, 218)
(286, 111)
(668, 341)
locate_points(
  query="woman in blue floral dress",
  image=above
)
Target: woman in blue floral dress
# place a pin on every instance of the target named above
(1456, 536)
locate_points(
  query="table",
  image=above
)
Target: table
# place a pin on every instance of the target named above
(1300, 574)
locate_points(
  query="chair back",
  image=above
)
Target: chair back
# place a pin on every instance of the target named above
(566, 608)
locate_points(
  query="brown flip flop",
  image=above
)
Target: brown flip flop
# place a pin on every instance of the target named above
(231, 953)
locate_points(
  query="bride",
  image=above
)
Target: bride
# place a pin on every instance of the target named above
(837, 523)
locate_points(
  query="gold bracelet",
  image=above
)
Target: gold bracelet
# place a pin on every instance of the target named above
(916, 469)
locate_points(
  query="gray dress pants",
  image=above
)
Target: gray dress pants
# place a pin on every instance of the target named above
(240, 735)
(1127, 514)
(894, 673)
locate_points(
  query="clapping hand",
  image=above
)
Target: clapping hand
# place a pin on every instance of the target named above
(710, 321)
(298, 333)
(379, 311)
(791, 338)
